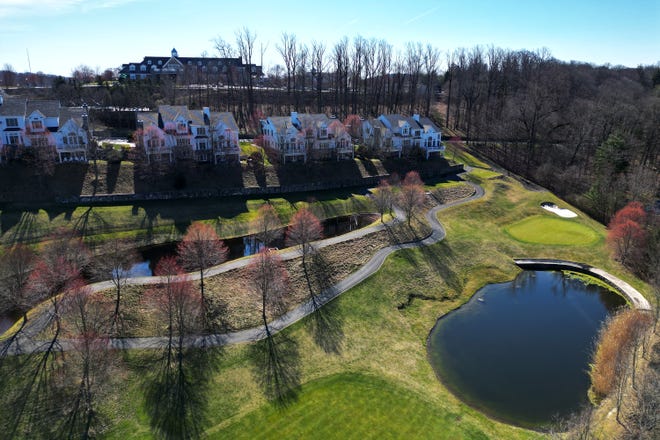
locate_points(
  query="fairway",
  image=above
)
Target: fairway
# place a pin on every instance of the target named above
(542, 229)
(347, 406)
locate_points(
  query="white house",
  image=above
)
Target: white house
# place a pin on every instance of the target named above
(177, 132)
(299, 134)
(393, 134)
(43, 124)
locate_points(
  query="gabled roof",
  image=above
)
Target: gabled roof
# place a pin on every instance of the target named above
(67, 113)
(48, 108)
(148, 119)
(171, 113)
(70, 125)
(196, 117)
(427, 124)
(226, 118)
(398, 121)
(13, 107)
(313, 120)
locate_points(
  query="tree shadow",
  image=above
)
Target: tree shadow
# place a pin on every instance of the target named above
(276, 368)
(111, 177)
(324, 324)
(441, 259)
(176, 392)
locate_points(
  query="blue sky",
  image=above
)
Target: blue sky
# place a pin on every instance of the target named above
(62, 34)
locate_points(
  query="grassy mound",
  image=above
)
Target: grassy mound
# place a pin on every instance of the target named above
(327, 408)
(542, 229)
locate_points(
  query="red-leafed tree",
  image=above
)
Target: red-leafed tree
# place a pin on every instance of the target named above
(267, 224)
(411, 195)
(353, 125)
(199, 250)
(383, 198)
(305, 228)
(627, 233)
(269, 279)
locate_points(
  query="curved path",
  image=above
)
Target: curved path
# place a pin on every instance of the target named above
(634, 297)
(292, 316)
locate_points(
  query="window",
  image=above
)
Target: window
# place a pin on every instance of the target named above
(201, 131)
(202, 146)
(160, 62)
(181, 127)
(132, 68)
(12, 122)
(149, 62)
(182, 142)
(143, 68)
(13, 139)
(37, 125)
(405, 131)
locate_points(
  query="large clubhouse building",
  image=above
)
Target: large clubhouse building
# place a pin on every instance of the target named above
(174, 66)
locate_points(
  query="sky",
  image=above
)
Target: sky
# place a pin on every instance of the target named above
(59, 35)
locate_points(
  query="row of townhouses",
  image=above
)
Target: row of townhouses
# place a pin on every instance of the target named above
(176, 132)
(300, 135)
(43, 124)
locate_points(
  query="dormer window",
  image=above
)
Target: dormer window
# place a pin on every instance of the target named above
(37, 125)
(149, 62)
(143, 68)
(323, 132)
(131, 67)
(160, 62)
(181, 127)
(405, 131)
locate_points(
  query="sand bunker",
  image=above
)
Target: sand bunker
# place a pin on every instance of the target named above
(561, 212)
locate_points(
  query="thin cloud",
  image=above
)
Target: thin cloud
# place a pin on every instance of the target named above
(422, 15)
(31, 8)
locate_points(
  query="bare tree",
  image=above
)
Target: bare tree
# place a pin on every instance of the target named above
(411, 194)
(267, 224)
(431, 60)
(318, 69)
(199, 250)
(115, 261)
(383, 198)
(288, 49)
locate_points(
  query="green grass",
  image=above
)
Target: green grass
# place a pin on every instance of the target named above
(457, 154)
(378, 376)
(162, 221)
(543, 229)
(326, 408)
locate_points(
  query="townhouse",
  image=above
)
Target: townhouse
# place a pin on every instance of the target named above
(394, 134)
(175, 132)
(313, 135)
(56, 131)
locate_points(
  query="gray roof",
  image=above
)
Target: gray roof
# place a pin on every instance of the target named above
(13, 107)
(426, 123)
(148, 118)
(313, 119)
(226, 118)
(397, 120)
(48, 108)
(74, 113)
(169, 113)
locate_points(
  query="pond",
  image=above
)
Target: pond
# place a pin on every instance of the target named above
(520, 351)
(248, 245)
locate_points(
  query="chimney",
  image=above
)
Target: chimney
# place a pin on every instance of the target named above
(416, 117)
(1, 99)
(85, 122)
(207, 115)
(294, 118)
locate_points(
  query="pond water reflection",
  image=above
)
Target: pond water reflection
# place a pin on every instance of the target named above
(520, 351)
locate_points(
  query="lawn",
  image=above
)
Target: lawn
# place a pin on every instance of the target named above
(544, 229)
(364, 372)
(327, 408)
